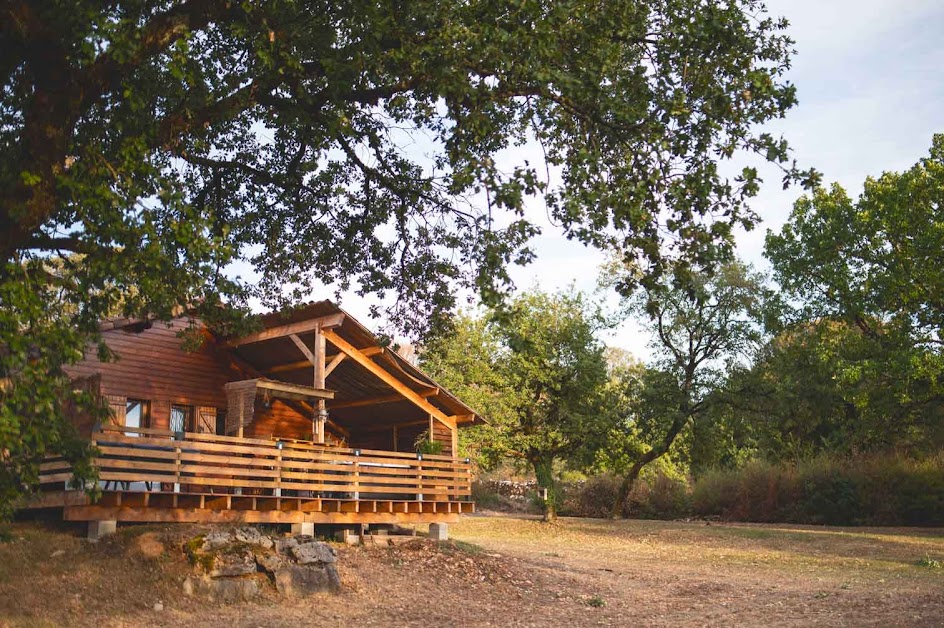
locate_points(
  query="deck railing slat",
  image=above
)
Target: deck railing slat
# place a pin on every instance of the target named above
(201, 464)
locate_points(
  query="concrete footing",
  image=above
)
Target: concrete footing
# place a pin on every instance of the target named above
(439, 531)
(303, 528)
(349, 536)
(98, 529)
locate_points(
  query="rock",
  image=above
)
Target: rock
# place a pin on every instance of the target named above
(158, 606)
(58, 553)
(216, 539)
(252, 536)
(314, 552)
(223, 589)
(299, 581)
(236, 561)
(284, 546)
(269, 562)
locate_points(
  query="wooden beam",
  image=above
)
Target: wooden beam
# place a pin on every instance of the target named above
(207, 515)
(333, 364)
(356, 355)
(331, 320)
(357, 403)
(340, 429)
(304, 349)
(305, 364)
(307, 392)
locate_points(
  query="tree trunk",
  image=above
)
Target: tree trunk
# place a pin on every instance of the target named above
(544, 473)
(626, 487)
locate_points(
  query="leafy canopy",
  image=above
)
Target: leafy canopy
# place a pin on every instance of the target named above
(704, 326)
(537, 371)
(863, 278)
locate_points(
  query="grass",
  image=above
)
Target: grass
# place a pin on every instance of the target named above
(871, 553)
(515, 570)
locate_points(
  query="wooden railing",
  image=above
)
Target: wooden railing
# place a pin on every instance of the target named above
(154, 460)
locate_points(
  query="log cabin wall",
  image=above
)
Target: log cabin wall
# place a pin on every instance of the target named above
(443, 434)
(153, 366)
(278, 418)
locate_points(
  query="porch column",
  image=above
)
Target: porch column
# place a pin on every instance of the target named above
(321, 411)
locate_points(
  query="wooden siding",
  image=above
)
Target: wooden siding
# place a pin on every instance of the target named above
(152, 365)
(442, 434)
(279, 418)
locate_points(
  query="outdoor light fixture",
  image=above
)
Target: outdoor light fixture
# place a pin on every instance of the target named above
(279, 444)
(468, 460)
(357, 452)
(419, 456)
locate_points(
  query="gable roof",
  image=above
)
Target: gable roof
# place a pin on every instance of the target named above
(360, 396)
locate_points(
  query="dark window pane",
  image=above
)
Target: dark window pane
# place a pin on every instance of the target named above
(181, 418)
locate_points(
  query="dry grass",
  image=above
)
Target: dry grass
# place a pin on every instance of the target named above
(509, 571)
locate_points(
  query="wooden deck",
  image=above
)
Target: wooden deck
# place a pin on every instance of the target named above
(149, 475)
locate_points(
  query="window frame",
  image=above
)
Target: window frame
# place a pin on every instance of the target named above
(189, 417)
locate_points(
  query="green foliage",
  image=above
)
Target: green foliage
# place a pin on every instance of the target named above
(860, 362)
(660, 493)
(874, 490)
(538, 373)
(703, 325)
(424, 445)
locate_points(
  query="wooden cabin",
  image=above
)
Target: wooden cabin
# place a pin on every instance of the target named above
(308, 420)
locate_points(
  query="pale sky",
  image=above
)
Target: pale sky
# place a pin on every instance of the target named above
(869, 82)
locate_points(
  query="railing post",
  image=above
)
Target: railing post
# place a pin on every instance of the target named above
(419, 477)
(278, 468)
(357, 474)
(177, 469)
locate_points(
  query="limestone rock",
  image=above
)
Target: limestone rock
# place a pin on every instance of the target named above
(252, 536)
(223, 589)
(299, 581)
(235, 561)
(269, 562)
(314, 552)
(284, 546)
(216, 539)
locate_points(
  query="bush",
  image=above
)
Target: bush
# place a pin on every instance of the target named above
(875, 490)
(656, 495)
(593, 497)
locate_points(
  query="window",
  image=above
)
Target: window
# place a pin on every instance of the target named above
(181, 418)
(221, 422)
(137, 414)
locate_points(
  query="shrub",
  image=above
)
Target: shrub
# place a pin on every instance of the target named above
(874, 490)
(593, 497)
(656, 495)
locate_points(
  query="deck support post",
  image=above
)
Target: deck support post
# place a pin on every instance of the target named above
(98, 529)
(347, 535)
(306, 527)
(439, 531)
(321, 411)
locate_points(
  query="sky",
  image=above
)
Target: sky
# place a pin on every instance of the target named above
(871, 95)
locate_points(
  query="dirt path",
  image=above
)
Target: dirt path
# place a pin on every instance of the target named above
(512, 572)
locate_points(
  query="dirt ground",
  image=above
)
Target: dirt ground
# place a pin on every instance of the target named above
(507, 571)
